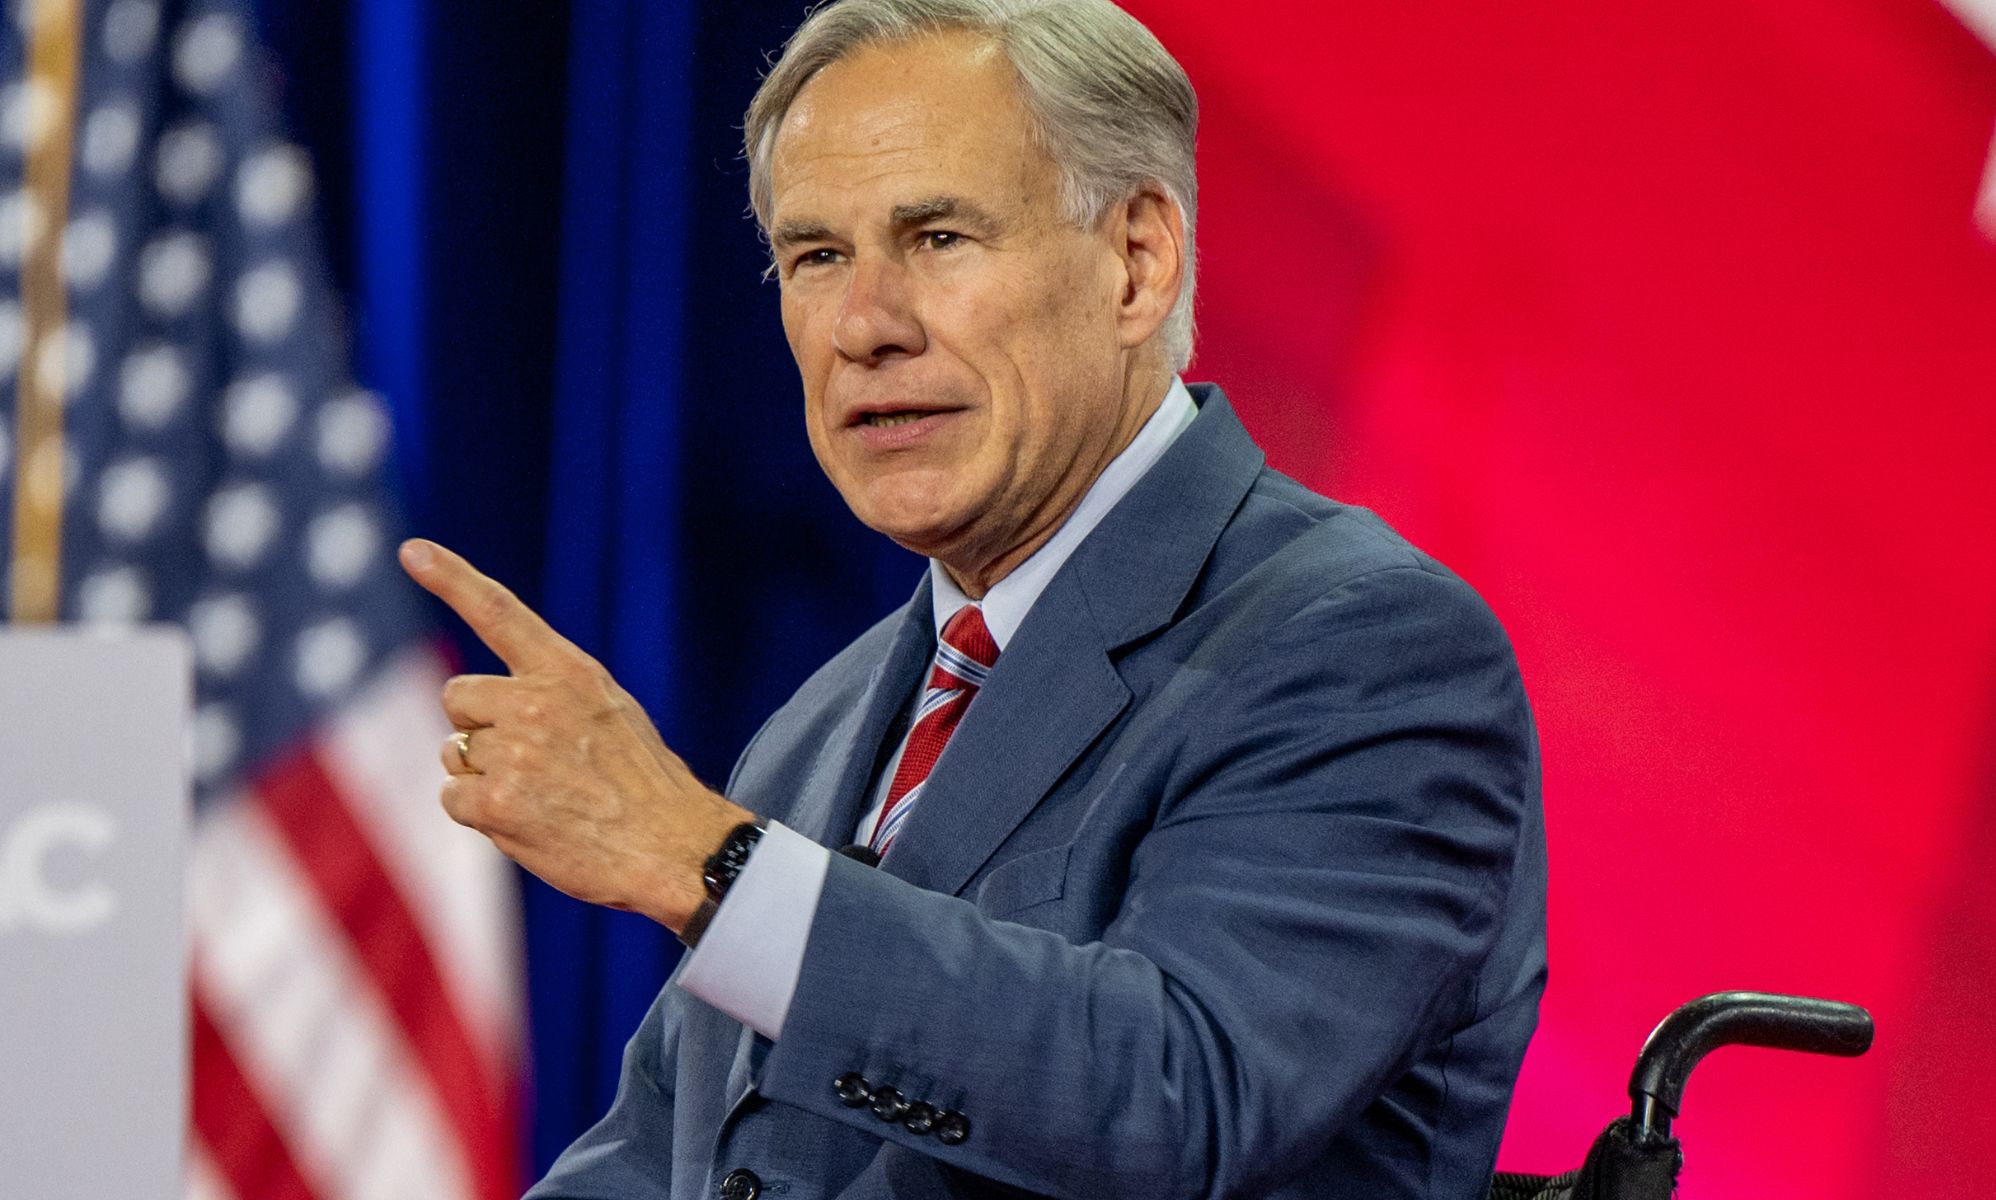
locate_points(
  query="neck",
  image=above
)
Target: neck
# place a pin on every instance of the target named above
(1144, 387)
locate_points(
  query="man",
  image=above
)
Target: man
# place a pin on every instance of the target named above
(1209, 847)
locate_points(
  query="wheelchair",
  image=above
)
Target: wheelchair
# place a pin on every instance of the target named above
(1636, 1158)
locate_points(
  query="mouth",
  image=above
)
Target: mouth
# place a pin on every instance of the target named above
(899, 429)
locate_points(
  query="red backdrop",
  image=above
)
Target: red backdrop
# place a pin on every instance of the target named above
(1670, 330)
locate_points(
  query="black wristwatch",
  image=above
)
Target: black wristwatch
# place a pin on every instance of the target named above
(722, 868)
(724, 864)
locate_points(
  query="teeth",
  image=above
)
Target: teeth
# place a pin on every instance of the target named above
(881, 421)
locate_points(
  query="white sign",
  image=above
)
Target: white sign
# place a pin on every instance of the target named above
(93, 975)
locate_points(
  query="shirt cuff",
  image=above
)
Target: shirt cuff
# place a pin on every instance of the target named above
(748, 961)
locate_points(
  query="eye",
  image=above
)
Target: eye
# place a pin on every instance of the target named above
(821, 257)
(940, 239)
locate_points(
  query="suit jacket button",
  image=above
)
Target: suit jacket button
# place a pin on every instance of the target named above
(851, 1089)
(952, 1127)
(888, 1105)
(921, 1118)
(741, 1184)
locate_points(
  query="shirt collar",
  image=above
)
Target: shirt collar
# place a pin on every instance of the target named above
(1006, 604)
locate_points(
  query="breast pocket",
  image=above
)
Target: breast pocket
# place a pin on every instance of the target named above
(1023, 883)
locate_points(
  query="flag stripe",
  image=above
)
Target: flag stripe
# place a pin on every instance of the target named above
(247, 1149)
(293, 1005)
(204, 1176)
(380, 752)
(339, 859)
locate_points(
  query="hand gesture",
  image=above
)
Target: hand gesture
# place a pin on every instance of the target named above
(560, 767)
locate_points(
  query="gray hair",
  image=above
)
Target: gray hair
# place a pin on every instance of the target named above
(1109, 105)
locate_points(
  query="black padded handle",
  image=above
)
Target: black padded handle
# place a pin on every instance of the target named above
(1734, 1019)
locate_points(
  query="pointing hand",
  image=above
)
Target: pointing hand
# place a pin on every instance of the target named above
(560, 767)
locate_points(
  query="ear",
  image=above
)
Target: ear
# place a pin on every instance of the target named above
(1150, 238)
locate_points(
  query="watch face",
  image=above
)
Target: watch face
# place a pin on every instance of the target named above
(728, 861)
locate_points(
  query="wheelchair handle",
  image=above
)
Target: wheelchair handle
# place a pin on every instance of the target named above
(1733, 1019)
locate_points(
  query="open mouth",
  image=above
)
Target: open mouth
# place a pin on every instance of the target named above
(889, 420)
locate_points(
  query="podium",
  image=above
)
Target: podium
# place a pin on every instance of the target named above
(94, 814)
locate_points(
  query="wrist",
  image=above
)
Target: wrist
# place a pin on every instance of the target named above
(724, 851)
(728, 859)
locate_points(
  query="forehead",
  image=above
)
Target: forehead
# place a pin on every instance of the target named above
(937, 115)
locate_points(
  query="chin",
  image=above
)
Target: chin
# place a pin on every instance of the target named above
(924, 534)
(911, 512)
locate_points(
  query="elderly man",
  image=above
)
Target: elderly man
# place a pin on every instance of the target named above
(1205, 810)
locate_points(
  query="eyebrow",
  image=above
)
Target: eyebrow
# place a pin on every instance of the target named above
(790, 233)
(901, 216)
(940, 208)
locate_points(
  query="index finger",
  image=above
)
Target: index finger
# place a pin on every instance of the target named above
(516, 633)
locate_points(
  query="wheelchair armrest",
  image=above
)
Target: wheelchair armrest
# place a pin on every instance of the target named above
(1733, 1019)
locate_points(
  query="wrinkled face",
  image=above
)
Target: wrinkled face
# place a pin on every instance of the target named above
(963, 369)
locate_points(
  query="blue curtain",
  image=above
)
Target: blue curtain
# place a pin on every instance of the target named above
(538, 212)
(611, 580)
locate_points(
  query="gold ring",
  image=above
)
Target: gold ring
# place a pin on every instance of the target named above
(462, 740)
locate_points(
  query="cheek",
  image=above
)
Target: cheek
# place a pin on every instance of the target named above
(796, 325)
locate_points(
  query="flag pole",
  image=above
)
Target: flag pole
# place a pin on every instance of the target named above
(36, 565)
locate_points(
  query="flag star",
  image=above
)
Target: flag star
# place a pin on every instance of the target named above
(272, 184)
(353, 432)
(130, 28)
(132, 495)
(173, 270)
(27, 113)
(21, 226)
(119, 596)
(217, 740)
(110, 138)
(330, 655)
(88, 248)
(242, 520)
(225, 631)
(65, 362)
(153, 384)
(267, 300)
(206, 51)
(188, 160)
(257, 413)
(341, 545)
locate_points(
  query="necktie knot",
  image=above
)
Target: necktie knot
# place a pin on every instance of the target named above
(966, 651)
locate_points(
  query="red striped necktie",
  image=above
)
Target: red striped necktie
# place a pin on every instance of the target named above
(964, 656)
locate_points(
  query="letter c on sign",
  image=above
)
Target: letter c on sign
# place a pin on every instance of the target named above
(24, 853)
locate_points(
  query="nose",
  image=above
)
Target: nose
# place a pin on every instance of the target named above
(876, 320)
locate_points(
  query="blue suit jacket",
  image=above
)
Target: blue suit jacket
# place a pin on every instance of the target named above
(1231, 883)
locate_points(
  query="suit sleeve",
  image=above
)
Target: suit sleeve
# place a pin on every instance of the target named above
(1305, 914)
(628, 1152)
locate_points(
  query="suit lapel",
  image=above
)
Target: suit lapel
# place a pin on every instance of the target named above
(1056, 687)
(1051, 694)
(835, 792)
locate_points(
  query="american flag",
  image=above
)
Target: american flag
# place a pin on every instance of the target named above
(173, 391)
